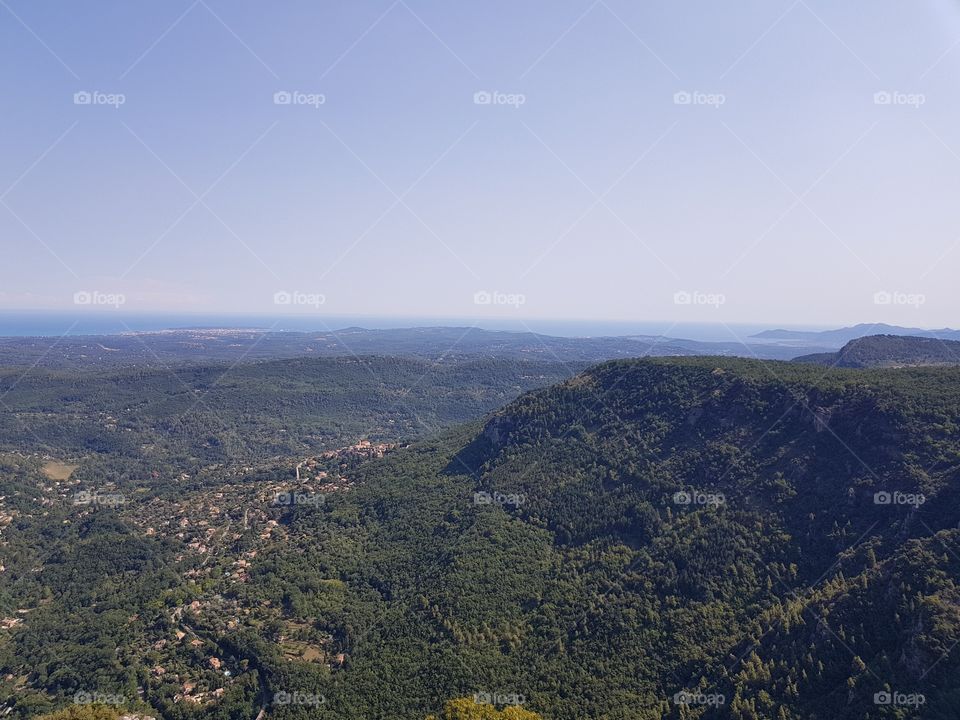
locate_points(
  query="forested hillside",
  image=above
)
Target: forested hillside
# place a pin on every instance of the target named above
(232, 345)
(678, 538)
(219, 412)
(889, 351)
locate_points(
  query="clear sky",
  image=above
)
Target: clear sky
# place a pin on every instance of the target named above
(655, 160)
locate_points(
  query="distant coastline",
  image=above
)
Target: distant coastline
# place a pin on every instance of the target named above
(35, 323)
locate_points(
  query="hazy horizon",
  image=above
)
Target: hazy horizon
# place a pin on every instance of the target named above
(787, 163)
(79, 322)
(25, 323)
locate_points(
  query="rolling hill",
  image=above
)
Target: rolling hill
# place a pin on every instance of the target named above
(841, 336)
(666, 538)
(889, 351)
(209, 345)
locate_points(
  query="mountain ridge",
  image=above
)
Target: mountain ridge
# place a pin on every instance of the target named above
(841, 336)
(889, 351)
(776, 537)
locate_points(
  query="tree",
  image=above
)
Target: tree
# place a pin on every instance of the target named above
(83, 712)
(468, 709)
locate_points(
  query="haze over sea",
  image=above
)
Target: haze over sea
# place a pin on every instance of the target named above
(48, 324)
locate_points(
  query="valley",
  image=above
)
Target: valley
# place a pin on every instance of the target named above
(709, 536)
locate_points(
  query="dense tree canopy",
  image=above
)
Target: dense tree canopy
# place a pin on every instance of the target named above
(703, 538)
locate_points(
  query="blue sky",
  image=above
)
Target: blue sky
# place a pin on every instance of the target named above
(688, 161)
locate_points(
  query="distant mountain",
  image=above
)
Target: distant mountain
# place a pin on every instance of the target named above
(838, 338)
(205, 345)
(440, 343)
(889, 351)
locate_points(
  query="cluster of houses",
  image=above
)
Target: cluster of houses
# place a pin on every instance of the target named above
(221, 523)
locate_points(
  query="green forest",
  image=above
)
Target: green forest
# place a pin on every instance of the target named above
(648, 539)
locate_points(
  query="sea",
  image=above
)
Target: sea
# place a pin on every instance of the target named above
(35, 323)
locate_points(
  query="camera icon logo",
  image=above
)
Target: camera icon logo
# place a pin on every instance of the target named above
(882, 498)
(282, 97)
(682, 498)
(682, 98)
